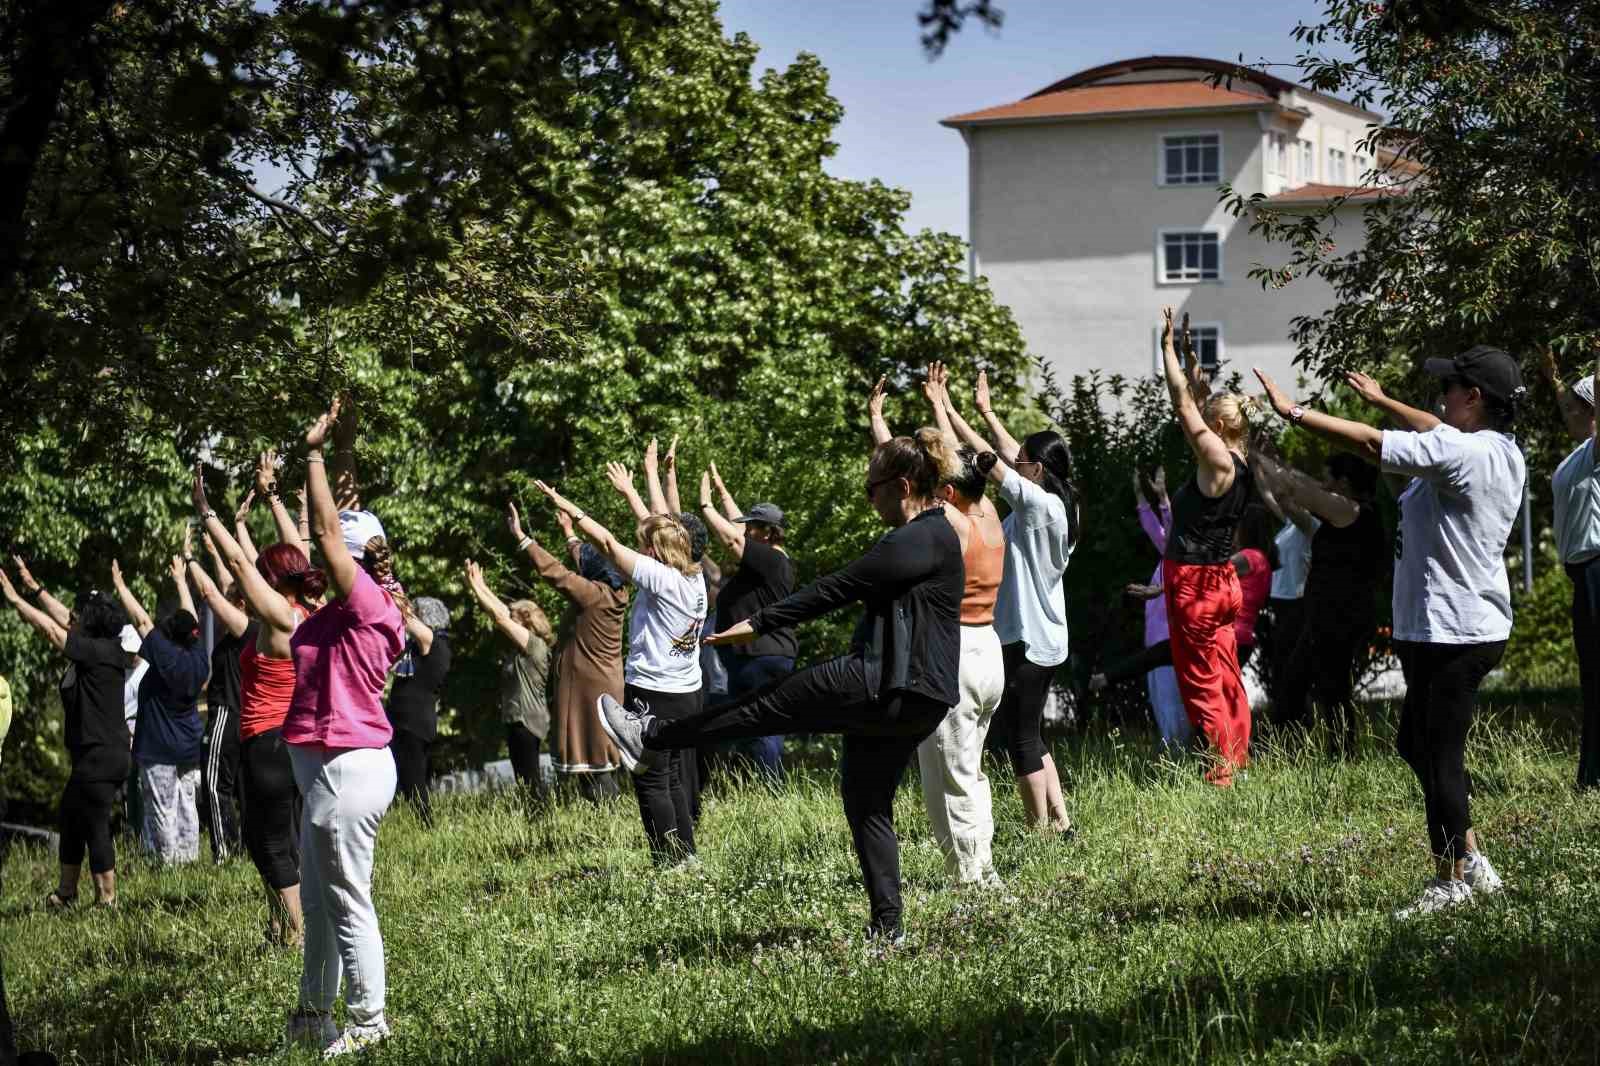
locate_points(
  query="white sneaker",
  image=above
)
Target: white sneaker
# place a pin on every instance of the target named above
(310, 1029)
(357, 1038)
(1480, 875)
(1436, 895)
(626, 726)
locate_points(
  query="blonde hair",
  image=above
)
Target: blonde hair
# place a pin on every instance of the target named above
(527, 614)
(1228, 414)
(927, 459)
(668, 541)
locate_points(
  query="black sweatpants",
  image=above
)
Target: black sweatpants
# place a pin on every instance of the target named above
(1441, 689)
(1021, 713)
(413, 767)
(880, 736)
(219, 783)
(271, 809)
(1321, 669)
(523, 745)
(664, 792)
(1288, 618)
(86, 804)
(1586, 638)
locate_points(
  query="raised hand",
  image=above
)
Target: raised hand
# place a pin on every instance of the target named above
(982, 396)
(116, 574)
(650, 463)
(564, 520)
(716, 477)
(1275, 396)
(188, 541)
(621, 477)
(474, 574)
(874, 401)
(317, 435)
(1166, 330)
(1547, 363)
(267, 472)
(23, 575)
(197, 493)
(705, 488)
(176, 569)
(1365, 386)
(244, 505)
(1158, 481)
(671, 460)
(514, 521)
(10, 592)
(562, 503)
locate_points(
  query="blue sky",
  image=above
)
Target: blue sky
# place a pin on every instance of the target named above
(894, 96)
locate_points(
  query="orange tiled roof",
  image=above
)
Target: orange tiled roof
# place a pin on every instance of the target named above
(1094, 100)
(1317, 191)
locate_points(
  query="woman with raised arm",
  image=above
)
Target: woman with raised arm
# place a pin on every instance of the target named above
(167, 743)
(524, 673)
(413, 706)
(1348, 554)
(885, 695)
(280, 589)
(955, 789)
(661, 676)
(90, 637)
(1030, 615)
(1199, 578)
(338, 738)
(1452, 600)
(1576, 494)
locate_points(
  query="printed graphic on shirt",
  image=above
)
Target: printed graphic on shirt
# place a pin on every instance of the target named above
(688, 642)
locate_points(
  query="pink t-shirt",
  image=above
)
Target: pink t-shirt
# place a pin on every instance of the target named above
(342, 656)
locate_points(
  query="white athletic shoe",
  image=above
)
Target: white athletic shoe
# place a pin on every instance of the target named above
(1437, 895)
(310, 1029)
(625, 726)
(1480, 875)
(357, 1038)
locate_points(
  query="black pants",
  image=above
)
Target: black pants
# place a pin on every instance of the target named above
(1021, 713)
(1321, 671)
(1586, 638)
(664, 792)
(1441, 688)
(219, 783)
(524, 744)
(271, 809)
(86, 804)
(1277, 646)
(880, 735)
(413, 766)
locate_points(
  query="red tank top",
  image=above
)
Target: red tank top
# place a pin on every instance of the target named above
(266, 687)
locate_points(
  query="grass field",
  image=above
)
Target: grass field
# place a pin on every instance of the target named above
(1182, 925)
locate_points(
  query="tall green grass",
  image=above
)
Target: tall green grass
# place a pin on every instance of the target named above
(1182, 925)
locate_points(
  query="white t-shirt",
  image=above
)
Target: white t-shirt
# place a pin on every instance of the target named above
(130, 694)
(1032, 603)
(1450, 584)
(1294, 560)
(1576, 486)
(664, 628)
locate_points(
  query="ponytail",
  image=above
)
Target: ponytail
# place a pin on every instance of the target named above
(1050, 450)
(926, 459)
(378, 561)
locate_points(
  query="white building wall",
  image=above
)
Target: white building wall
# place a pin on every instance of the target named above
(1064, 222)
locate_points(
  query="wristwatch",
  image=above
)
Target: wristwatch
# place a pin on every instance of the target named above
(1296, 413)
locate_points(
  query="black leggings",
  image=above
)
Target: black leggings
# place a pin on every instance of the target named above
(86, 803)
(523, 744)
(271, 809)
(1441, 687)
(880, 735)
(1321, 668)
(665, 799)
(412, 767)
(1021, 712)
(1586, 637)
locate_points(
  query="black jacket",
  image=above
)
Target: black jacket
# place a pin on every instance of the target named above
(910, 582)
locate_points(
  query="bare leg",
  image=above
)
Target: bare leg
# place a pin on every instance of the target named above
(105, 888)
(1035, 798)
(1056, 805)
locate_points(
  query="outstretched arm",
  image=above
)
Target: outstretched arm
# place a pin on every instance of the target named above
(136, 612)
(497, 611)
(233, 620)
(224, 580)
(178, 571)
(1006, 445)
(1215, 463)
(731, 534)
(1366, 441)
(729, 508)
(652, 478)
(273, 608)
(622, 557)
(54, 632)
(969, 436)
(936, 391)
(241, 527)
(880, 428)
(267, 488)
(674, 503)
(1298, 492)
(1403, 415)
(341, 565)
(346, 489)
(40, 595)
(621, 479)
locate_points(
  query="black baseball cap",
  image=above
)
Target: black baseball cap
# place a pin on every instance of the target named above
(768, 514)
(1490, 369)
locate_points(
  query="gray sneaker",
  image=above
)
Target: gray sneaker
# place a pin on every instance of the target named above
(626, 729)
(310, 1029)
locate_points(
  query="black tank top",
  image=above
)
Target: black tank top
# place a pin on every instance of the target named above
(1202, 526)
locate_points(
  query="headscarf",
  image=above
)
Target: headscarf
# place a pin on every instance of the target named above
(596, 567)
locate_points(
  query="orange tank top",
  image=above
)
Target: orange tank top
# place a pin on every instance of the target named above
(985, 567)
(266, 687)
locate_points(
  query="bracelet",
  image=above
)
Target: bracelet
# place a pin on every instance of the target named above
(315, 458)
(987, 413)
(209, 513)
(574, 540)
(579, 517)
(34, 593)
(522, 545)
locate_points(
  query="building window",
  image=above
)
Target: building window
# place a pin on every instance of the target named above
(1336, 175)
(1189, 255)
(1207, 338)
(1360, 168)
(1308, 162)
(1191, 159)
(1278, 154)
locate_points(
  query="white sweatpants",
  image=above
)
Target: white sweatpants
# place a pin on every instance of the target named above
(171, 829)
(1167, 702)
(960, 805)
(345, 795)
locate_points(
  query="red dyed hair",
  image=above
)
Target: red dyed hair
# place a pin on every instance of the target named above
(283, 565)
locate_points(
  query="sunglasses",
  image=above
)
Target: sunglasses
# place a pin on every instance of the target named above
(873, 486)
